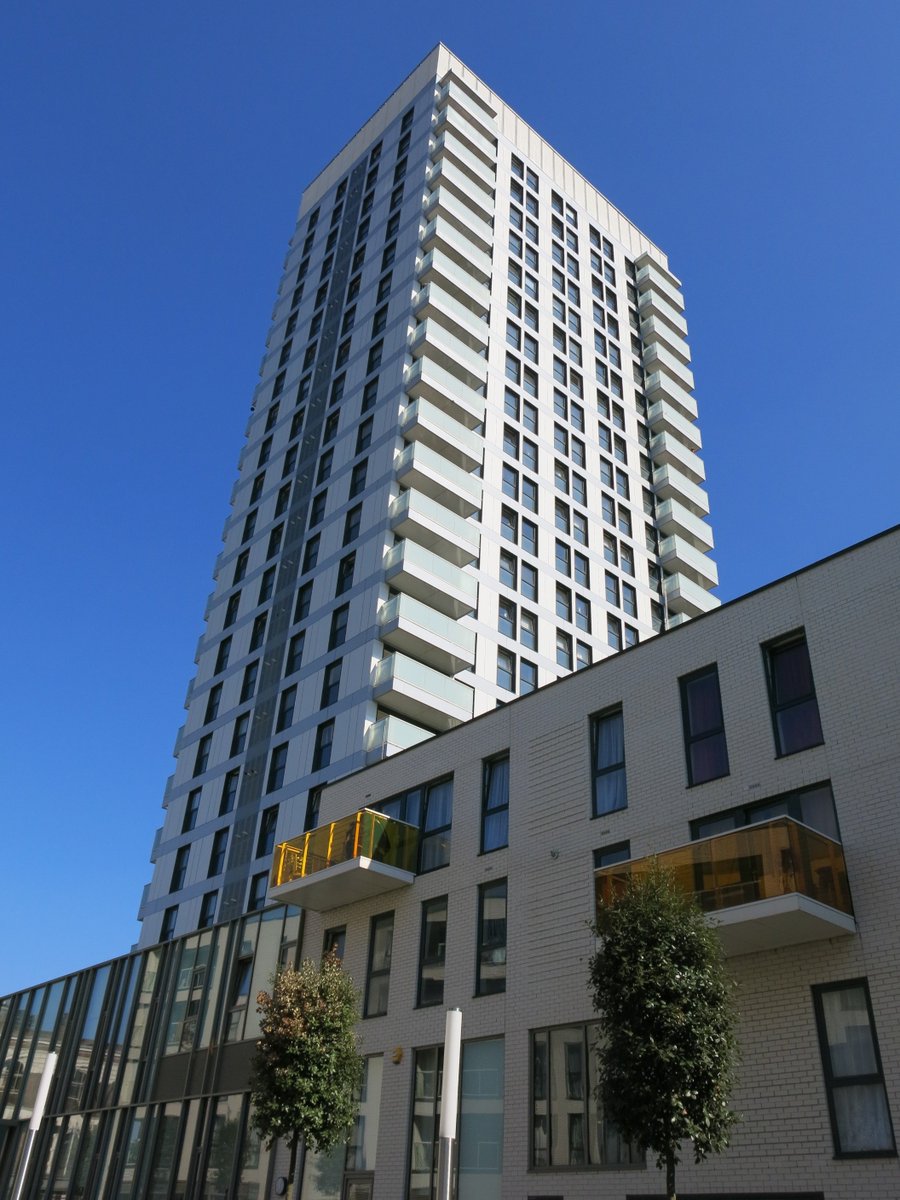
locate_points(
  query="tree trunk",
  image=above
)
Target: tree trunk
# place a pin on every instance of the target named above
(292, 1167)
(670, 1174)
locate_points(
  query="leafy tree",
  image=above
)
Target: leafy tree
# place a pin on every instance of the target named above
(667, 1047)
(307, 1069)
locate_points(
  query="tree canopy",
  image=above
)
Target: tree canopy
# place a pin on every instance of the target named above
(307, 1069)
(668, 1052)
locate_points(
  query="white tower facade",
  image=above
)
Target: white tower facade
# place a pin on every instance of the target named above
(471, 466)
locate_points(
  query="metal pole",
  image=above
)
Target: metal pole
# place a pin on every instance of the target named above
(449, 1102)
(34, 1125)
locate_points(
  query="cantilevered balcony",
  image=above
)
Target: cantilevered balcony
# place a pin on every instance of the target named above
(446, 174)
(422, 421)
(433, 526)
(448, 145)
(660, 385)
(441, 306)
(476, 110)
(469, 134)
(410, 568)
(439, 234)
(685, 598)
(417, 691)
(775, 884)
(652, 275)
(407, 624)
(663, 418)
(436, 265)
(443, 203)
(431, 340)
(656, 331)
(418, 466)
(445, 391)
(355, 858)
(668, 448)
(680, 557)
(669, 483)
(674, 518)
(658, 358)
(390, 735)
(652, 303)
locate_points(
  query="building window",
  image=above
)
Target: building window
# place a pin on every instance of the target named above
(190, 810)
(229, 791)
(222, 655)
(265, 842)
(258, 633)
(295, 653)
(608, 762)
(857, 1103)
(248, 683)
(351, 524)
(179, 870)
(331, 683)
(527, 677)
(207, 910)
(167, 931)
(203, 748)
(792, 695)
(495, 804)
(704, 726)
(506, 670)
(239, 735)
(257, 895)
(432, 952)
(378, 976)
(491, 965)
(324, 741)
(437, 818)
(567, 1128)
(277, 767)
(286, 707)
(335, 942)
(217, 854)
(338, 632)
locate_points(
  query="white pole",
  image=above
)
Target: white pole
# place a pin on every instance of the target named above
(449, 1102)
(37, 1115)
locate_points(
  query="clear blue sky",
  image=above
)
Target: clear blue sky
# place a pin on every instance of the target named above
(153, 157)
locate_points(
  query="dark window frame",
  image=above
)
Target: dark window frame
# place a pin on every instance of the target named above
(788, 642)
(692, 739)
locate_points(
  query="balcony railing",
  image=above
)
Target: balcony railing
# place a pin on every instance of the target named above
(774, 884)
(350, 859)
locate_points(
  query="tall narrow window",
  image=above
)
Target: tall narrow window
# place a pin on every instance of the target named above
(491, 965)
(434, 839)
(378, 977)
(265, 842)
(704, 726)
(857, 1103)
(432, 952)
(324, 741)
(792, 695)
(495, 804)
(608, 754)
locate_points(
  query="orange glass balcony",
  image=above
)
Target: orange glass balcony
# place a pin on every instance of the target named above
(778, 883)
(351, 859)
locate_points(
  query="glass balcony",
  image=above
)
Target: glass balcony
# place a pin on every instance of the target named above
(432, 341)
(447, 174)
(656, 331)
(443, 203)
(652, 275)
(441, 235)
(468, 133)
(408, 624)
(669, 483)
(426, 378)
(435, 302)
(477, 110)
(433, 526)
(668, 448)
(436, 265)
(418, 692)
(658, 358)
(674, 518)
(652, 303)
(775, 884)
(390, 735)
(410, 568)
(680, 557)
(663, 418)
(351, 859)
(422, 421)
(687, 598)
(418, 466)
(448, 145)
(659, 385)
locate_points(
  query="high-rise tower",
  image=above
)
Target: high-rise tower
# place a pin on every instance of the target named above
(471, 466)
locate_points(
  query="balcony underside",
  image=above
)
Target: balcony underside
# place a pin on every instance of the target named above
(345, 883)
(780, 921)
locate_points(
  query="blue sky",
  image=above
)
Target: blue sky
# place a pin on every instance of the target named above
(153, 158)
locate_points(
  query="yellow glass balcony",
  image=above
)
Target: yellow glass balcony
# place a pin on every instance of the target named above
(778, 883)
(351, 859)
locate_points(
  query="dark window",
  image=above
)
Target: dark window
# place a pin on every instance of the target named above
(491, 964)
(203, 749)
(324, 740)
(239, 736)
(792, 695)
(432, 953)
(338, 633)
(191, 809)
(240, 565)
(364, 435)
(208, 910)
(378, 976)
(267, 585)
(345, 574)
(295, 653)
(857, 1103)
(179, 870)
(265, 842)
(704, 726)
(608, 762)
(286, 707)
(229, 791)
(495, 804)
(331, 683)
(248, 684)
(358, 479)
(277, 767)
(311, 553)
(335, 941)
(217, 854)
(352, 523)
(258, 632)
(231, 610)
(301, 607)
(222, 655)
(257, 896)
(437, 818)
(170, 916)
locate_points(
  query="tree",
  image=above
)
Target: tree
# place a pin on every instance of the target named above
(307, 1069)
(667, 1051)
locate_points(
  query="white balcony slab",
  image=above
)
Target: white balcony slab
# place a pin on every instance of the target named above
(433, 526)
(410, 568)
(421, 694)
(446, 391)
(418, 466)
(422, 421)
